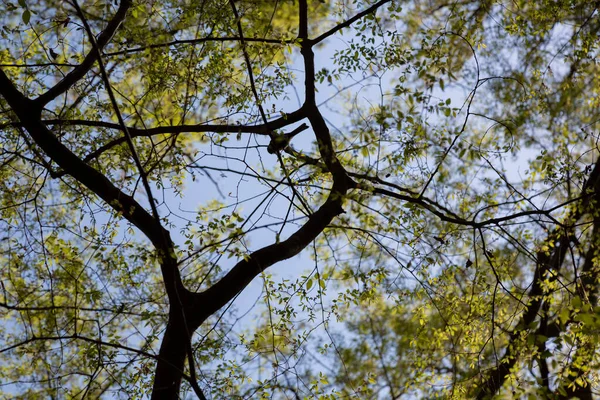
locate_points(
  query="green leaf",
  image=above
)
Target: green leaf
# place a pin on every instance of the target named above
(26, 16)
(309, 283)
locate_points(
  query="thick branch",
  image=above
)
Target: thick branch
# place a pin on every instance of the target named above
(166, 246)
(198, 41)
(261, 129)
(79, 338)
(573, 384)
(29, 115)
(218, 295)
(79, 72)
(546, 263)
(341, 181)
(350, 21)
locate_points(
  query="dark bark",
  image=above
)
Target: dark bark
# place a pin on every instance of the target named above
(173, 349)
(218, 295)
(553, 262)
(171, 360)
(588, 292)
(82, 69)
(187, 310)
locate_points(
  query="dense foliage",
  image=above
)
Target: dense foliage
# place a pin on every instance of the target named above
(298, 199)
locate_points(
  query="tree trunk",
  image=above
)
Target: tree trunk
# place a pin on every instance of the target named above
(171, 361)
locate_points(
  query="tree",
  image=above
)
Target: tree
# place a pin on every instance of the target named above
(442, 182)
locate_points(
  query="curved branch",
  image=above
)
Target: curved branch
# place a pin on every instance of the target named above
(197, 41)
(82, 69)
(545, 263)
(260, 129)
(350, 21)
(218, 295)
(30, 116)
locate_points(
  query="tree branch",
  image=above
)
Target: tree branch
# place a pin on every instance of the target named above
(29, 114)
(82, 69)
(218, 295)
(260, 129)
(349, 22)
(200, 40)
(545, 263)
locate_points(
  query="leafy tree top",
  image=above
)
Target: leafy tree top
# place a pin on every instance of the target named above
(411, 186)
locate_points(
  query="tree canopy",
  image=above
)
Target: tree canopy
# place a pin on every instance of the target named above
(299, 199)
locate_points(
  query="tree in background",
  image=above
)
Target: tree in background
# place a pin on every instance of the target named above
(430, 167)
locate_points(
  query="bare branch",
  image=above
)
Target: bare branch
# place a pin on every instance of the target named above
(82, 69)
(350, 21)
(198, 41)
